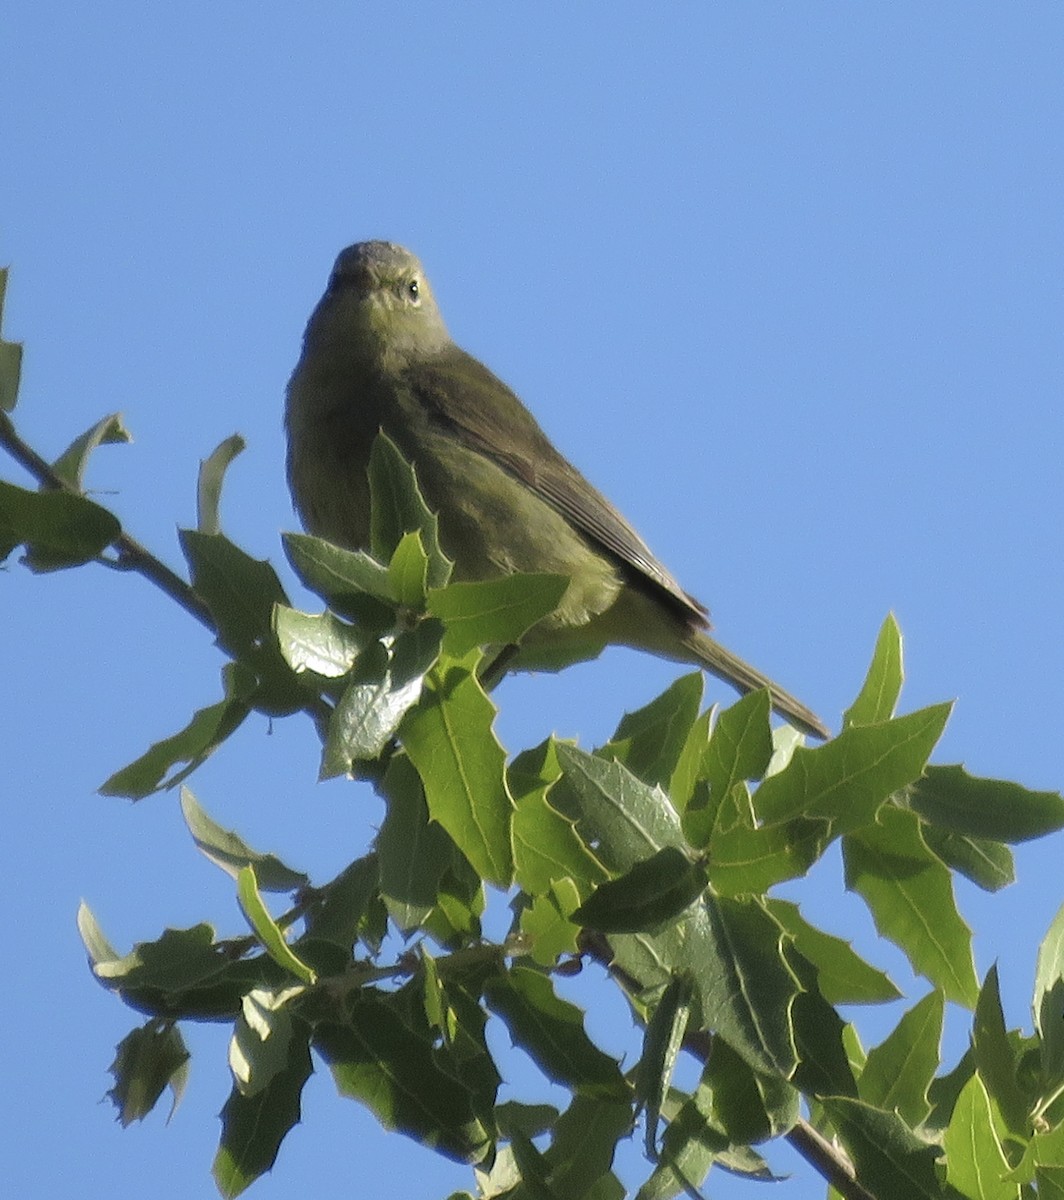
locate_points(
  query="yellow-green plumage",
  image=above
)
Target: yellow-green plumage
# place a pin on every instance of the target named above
(377, 355)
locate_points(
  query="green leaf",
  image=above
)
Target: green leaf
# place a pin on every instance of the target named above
(651, 740)
(582, 1149)
(199, 739)
(451, 742)
(688, 770)
(228, 850)
(995, 1057)
(349, 907)
(898, 1072)
(892, 1162)
(58, 529)
(262, 1036)
(843, 976)
(70, 465)
(551, 1031)
(847, 779)
(740, 748)
(1048, 1002)
(337, 574)
(414, 851)
(408, 571)
(987, 864)
(254, 1126)
(546, 923)
(377, 1057)
(10, 358)
(266, 929)
(647, 896)
(386, 683)
(661, 1047)
(209, 486)
(910, 895)
(547, 846)
(397, 508)
(316, 642)
(750, 1106)
(985, 808)
(147, 1061)
(975, 1162)
(688, 1149)
(879, 693)
(494, 611)
(820, 1037)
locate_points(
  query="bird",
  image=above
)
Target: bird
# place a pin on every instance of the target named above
(377, 357)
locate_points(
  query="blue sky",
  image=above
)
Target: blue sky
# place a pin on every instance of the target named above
(784, 280)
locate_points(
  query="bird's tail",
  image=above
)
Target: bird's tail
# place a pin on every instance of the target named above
(741, 675)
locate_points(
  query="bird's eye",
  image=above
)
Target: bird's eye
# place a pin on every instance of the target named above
(413, 292)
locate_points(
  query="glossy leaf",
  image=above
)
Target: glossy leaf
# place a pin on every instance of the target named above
(262, 1037)
(494, 611)
(317, 642)
(892, 1162)
(408, 571)
(337, 574)
(228, 850)
(910, 895)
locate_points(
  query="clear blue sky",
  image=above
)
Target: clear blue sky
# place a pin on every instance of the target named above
(783, 279)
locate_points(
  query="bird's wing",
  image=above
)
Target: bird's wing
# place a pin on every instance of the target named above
(458, 392)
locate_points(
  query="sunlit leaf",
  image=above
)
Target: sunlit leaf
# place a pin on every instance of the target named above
(882, 686)
(209, 485)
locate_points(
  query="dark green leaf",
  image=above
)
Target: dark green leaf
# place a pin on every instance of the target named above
(551, 1031)
(910, 895)
(397, 508)
(661, 1046)
(647, 896)
(985, 808)
(58, 529)
(748, 1106)
(209, 487)
(414, 851)
(376, 1057)
(995, 1057)
(892, 1162)
(824, 1066)
(70, 465)
(1048, 1002)
(842, 975)
(987, 864)
(879, 693)
(229, 851)
(585, 1139)
(651, 740)
(337, 574)
(147, 1061)
(199, 739)
(254, 1126)
(898, 1072)
(688, 1150)
(10, 359)
(451, 742)
(494, 611)
(945, 1089)
(349, 907)
(847, 779)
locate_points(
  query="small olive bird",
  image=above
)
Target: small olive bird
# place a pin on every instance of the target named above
(377, 356)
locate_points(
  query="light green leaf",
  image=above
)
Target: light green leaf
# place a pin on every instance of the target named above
(317, 642)
(1048, 1002)
(842, 975)
(337, 574)
(551, 1031)
(847, 779)
(451, 742)
(266, 928)
(228, 850)
(879, 693)
(70, 465)
(898, 1072)
(98, 948)
(408, 571)
(651, 740)
(494, 611)
(975, 1162)
(262, 1036)
(996, 1059)
(985, 808)
(209, 489)
(546, 923)
(910, 895)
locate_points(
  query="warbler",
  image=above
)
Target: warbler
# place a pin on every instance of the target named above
(377, 357)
